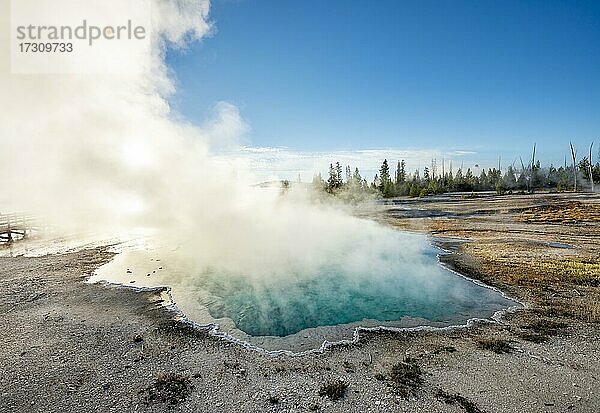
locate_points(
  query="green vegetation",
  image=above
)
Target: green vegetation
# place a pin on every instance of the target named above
(435, 180)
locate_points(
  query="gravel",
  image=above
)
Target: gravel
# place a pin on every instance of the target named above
(68, 346)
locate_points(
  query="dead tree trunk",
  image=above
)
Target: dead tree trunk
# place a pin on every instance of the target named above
(574, 156)
(532, 171)
(590, 168)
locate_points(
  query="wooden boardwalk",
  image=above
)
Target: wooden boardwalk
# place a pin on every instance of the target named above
(15, 226)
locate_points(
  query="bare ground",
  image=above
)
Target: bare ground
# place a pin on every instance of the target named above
(68, 346)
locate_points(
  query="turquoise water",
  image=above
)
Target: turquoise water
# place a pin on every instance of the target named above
(331, 297)
(391, 280)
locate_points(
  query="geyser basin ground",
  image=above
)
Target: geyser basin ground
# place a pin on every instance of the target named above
(298, 309)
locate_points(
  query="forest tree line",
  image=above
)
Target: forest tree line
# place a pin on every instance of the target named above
(579, 175)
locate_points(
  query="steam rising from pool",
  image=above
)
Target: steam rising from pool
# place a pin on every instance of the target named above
(376, 277)
(107, 156)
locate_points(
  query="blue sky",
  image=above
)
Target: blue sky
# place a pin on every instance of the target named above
(490, 77)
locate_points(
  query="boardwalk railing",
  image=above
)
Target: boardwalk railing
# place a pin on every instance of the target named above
(15, 226)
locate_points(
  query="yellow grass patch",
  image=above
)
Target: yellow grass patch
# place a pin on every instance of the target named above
(566, 212)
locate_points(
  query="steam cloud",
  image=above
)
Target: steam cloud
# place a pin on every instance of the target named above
(104, 153)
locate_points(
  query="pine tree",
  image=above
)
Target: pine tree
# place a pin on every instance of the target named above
(584, 166)
(537, 176)
(356, 177)
(522, 182)
(332, 180)
(483, 181)
(384, 177)
(469, 180)
(426, 176)
(510, 180)
(338, 175)
(401, 173)
(376, 182)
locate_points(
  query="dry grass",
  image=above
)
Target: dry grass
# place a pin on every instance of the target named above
(497, 345)
(512, 251)
(581, 308)
(169, 387)
(335, 390)
(541, 330)
(566, 285)
(406, 376)
(564, 213)
(574, 271)
(539, 268)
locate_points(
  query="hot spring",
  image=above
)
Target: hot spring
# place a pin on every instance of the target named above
(299, 308)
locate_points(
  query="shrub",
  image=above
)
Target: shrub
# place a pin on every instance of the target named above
(169, 388)
(496, 345)
(335, 390)
(406, 376)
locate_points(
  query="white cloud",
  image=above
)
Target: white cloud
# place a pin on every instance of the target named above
(273, 163)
